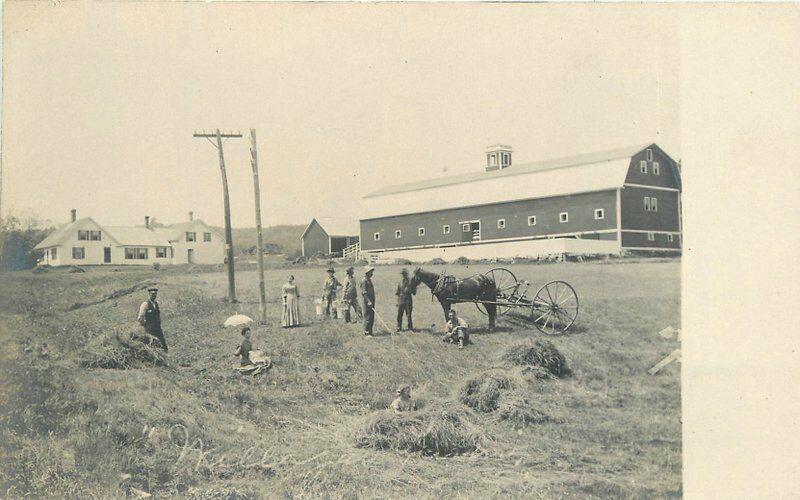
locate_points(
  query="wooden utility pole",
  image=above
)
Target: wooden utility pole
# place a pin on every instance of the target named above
(261, 286)
(228, 231)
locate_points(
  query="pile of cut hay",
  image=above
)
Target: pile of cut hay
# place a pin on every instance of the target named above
(120, 353)
(441, 429)
(542, 354)
(504, 393)
(483, 392)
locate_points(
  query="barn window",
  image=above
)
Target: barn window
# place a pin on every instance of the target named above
(599, 213)
(651, 237)
(647, 203)
(161, 252)
(531, 220)
(445, 229)
(649, 155)
(465, 228)
(78, 253)
(501, 223)
(656, 168)
(398, 234)
(670, 238)
(206, 237)
(190, 236)
(654, 204)
(563, 217)
(643, 166)
(376, 236)
(421, 231)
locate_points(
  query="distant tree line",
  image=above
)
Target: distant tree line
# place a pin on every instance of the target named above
(18, 237)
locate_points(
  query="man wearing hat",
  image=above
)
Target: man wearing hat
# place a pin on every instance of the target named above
(350, 295)
(150, 317)
(329, 291)
(404, 301)
(368, 294)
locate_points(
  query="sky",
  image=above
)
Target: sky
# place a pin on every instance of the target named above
(101, 99)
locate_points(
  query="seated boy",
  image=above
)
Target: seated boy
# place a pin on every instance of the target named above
(456, 330)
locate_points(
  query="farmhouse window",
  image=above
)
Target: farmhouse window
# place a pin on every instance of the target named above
(501, 223)
(656, 168)
(135, 253)
(599, 213)
(531, 220)
(465, 228)
(54, 253)
(376, 236)
(398, 234)
(654, 204)
(563, 217)
(493, 160)
(446, 229)
(643, 166)
(647, 203)
(670, 238)
(161, 252)
(421, 231)
(649, 155)
(78, 253)
(651, 237)
(206, 237)
(83, 235)
(506, 159)
(191, 236)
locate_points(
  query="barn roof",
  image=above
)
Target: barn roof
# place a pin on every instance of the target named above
(335, 226)
(570, 162)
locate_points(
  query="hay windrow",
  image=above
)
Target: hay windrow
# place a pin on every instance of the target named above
(543, 354)
(441, 429)
(117, 352)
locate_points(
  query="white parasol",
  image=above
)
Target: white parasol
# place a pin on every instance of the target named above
(238, 320)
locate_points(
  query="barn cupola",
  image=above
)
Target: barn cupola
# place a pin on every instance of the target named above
(498, 157)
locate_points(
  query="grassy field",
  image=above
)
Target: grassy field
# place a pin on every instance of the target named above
(193, 428)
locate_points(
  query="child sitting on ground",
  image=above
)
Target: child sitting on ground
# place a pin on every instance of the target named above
(403, 401)
(245, 347)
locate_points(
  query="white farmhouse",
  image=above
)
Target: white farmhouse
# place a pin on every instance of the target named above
(85, 242)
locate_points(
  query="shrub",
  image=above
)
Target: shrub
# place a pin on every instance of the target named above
(156, 266)
(436, 261)
(542, 354)
(402, 262)
(461, 261)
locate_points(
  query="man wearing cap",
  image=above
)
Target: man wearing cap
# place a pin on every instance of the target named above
(368, 294)
(350, 295)
(329, 291)
(404, 301)
(150, 317)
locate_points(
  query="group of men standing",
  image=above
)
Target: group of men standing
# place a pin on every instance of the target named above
(366, 289)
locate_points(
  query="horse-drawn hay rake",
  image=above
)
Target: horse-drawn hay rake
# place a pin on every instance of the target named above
(553, 309)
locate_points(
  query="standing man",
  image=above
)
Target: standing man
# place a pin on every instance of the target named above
(368, 294)
(350, 296)
(329, 291)
(150, 317)
(404, 301)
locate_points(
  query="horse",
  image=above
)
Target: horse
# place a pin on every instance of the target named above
(448, 289)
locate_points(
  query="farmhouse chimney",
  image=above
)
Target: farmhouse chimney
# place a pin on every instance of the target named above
(191, 216)
(498, 157)
(147, 221)
(73, 215)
